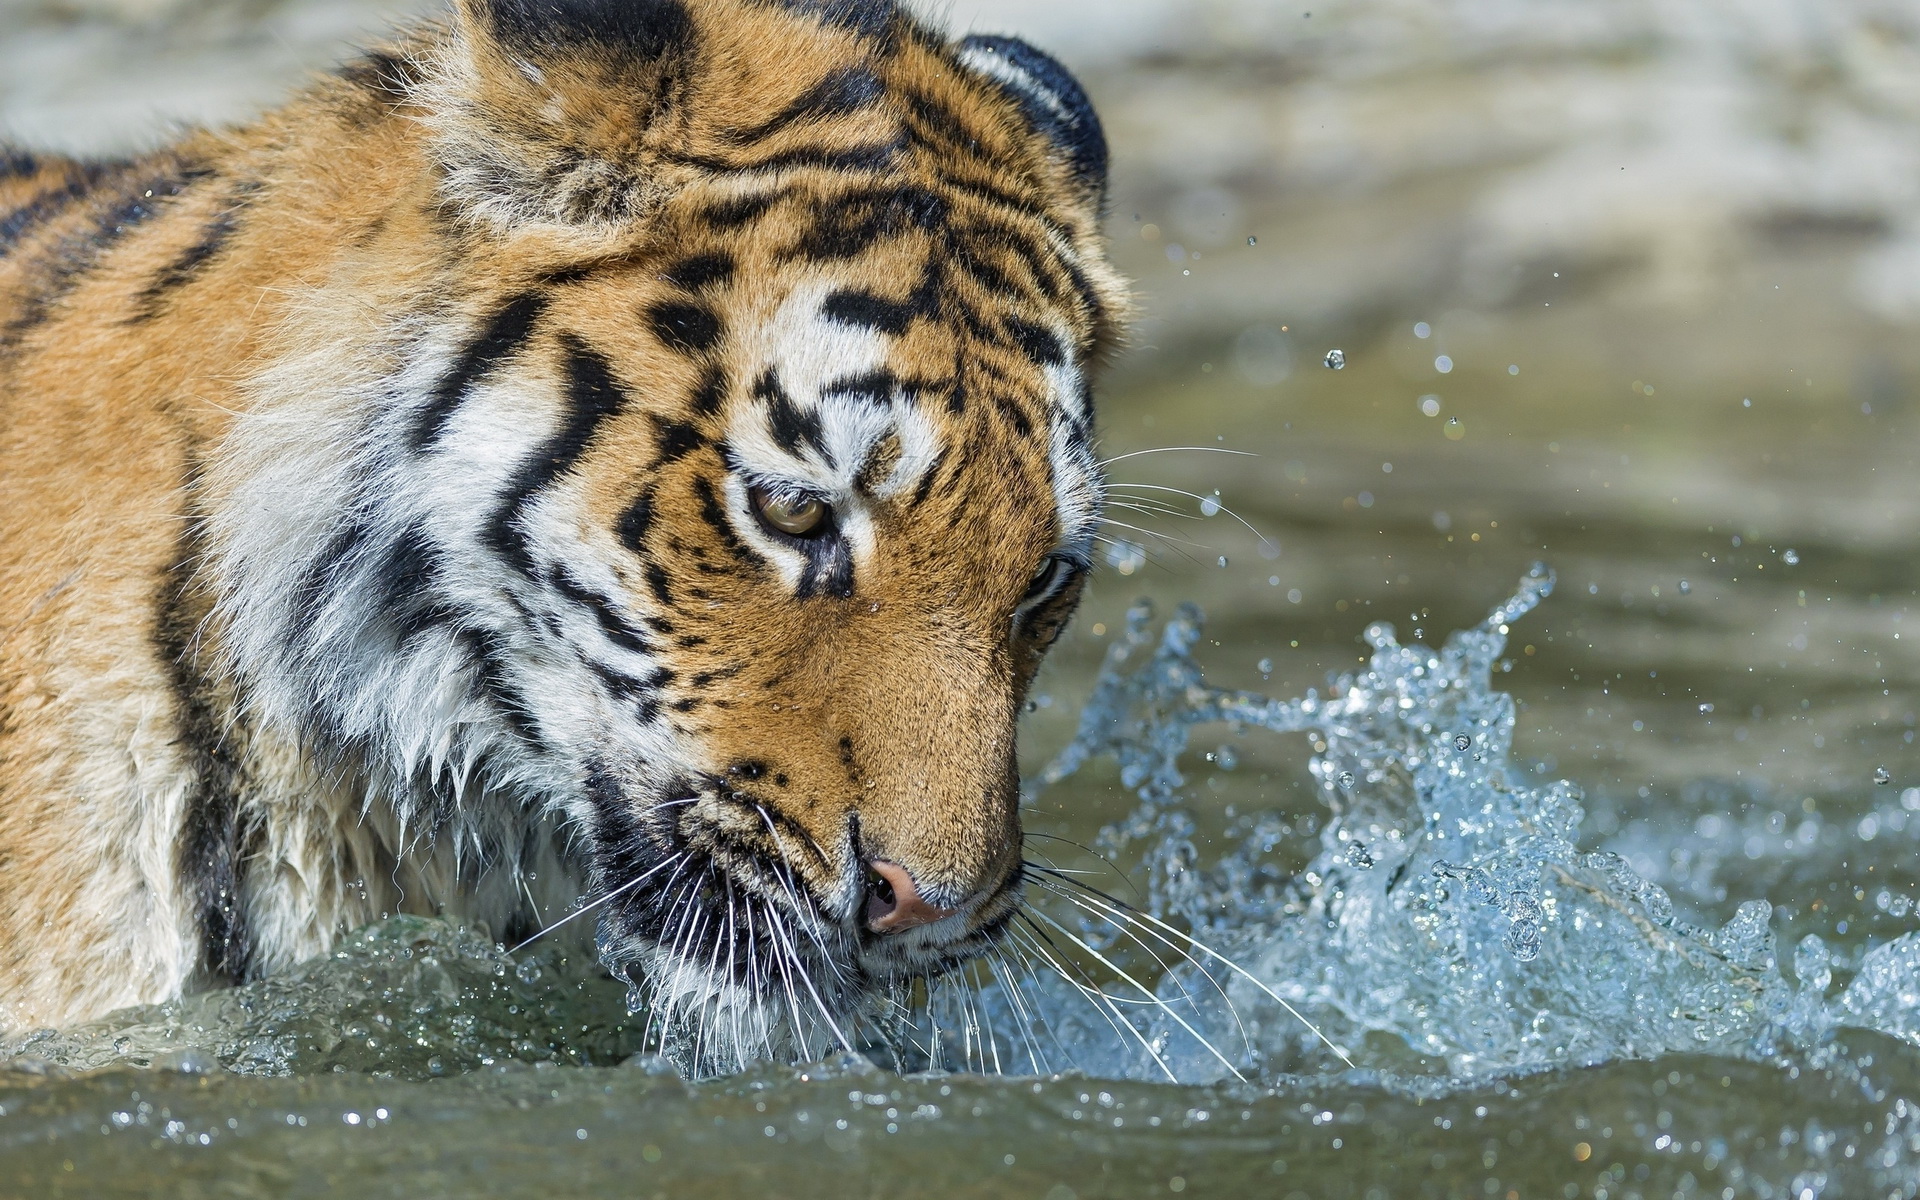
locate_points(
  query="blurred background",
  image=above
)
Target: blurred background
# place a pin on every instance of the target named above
(1629, 286)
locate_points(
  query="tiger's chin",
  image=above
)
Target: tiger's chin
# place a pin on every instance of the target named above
(726, 971)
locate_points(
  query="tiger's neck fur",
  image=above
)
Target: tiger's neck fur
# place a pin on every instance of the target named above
(257, 682)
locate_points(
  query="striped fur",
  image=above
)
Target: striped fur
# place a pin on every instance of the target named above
(379, 526)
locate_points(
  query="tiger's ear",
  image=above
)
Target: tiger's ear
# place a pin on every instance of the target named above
(549, 109)
(1054, 103)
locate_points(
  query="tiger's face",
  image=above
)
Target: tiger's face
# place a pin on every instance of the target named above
(852, 540)
(730, 512)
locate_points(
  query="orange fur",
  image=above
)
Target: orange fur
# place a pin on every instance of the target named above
(188, 340)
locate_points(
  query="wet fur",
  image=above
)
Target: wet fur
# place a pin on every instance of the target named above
(373, 534)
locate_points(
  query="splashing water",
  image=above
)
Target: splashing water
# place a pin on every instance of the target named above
(1450, 924)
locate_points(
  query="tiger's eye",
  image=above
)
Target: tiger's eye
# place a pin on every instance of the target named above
(795, 516)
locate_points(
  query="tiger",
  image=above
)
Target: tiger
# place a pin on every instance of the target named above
(613, 455)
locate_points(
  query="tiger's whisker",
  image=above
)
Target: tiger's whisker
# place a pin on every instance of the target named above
(1107, 462)
(1165, 1007)
(1128, 913)
(587, 908)
(1102, 1004)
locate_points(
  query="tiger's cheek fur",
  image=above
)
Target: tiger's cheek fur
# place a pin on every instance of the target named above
(379, 530)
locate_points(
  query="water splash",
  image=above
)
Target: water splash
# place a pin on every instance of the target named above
(1450, 922)
(411, 997)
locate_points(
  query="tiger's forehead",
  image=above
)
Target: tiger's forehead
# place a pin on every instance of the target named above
(862, 341)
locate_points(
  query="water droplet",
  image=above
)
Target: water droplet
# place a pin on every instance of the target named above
(1430, 405)
(1454, 429)
(1126, 557)
(1813, 964)
(528, 971)
(1359, 856)
(1791, 558)
(1346, 780)
(1210, 506)
(1253, 241)
(1523, 940)
(1336, 360)
(1443, 364)
(1422, 330)
(1522, 907)
(1685, 587)
(1882, 776)
(1264, 666)
(1462, 743)
(1222, 560)
(1226, 758)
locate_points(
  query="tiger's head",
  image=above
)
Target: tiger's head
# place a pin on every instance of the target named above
(727, 494)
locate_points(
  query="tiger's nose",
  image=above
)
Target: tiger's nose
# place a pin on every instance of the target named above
(894, 904)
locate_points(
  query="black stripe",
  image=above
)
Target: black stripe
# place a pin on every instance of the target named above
(992, 193)
(15, 163)
(877, 387)
(869, 18)
(408, 577)
(635, 524)
(840, 94)
(1044, 266)
(660, 584)
(962, 255)
(1038, 343)
(217, 838)
(71, 258)
(877, 156)
(1014, 414)
(505, 332)
(685, 326)
(829, 569)
(791, 427)
(700, 272)
(1088, 294)
(325, 575)
(593, 396)
(866, 310)
(711, 395)
(925, 489)
(716, 517)
(620, 685)
(81, 180)
(604, 611)
(731, 214)
(184, 269)
(677, 441)
(949, 133)
(850, 223)
(643, 31)
(487, 658)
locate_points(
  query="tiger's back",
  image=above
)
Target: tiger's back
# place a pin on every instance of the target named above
(400, 496)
